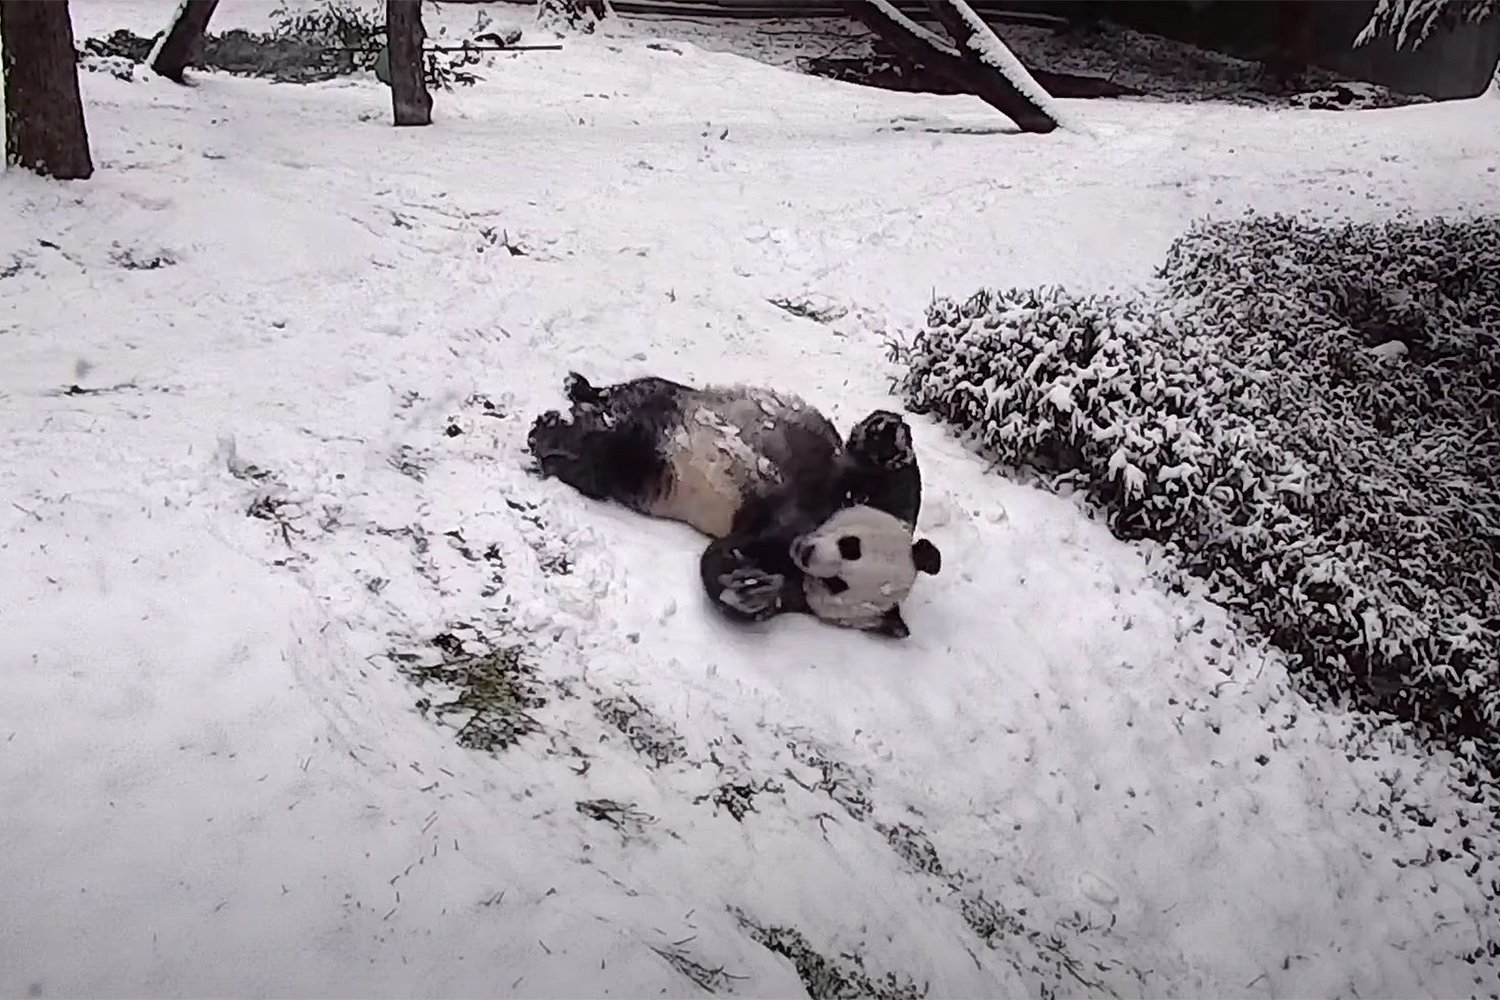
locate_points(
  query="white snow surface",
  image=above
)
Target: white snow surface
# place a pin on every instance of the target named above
(213, 783)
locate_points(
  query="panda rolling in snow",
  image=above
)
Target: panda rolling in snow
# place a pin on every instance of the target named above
(801, 522)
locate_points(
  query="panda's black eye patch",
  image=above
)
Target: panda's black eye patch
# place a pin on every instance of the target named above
(849, 548)
(835, 585)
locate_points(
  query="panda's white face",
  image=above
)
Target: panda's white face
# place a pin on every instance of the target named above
(860, 565)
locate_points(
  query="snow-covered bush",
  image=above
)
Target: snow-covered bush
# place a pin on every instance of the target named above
(354, 34)
(566, 16)
(1307, 417)
(308, 43)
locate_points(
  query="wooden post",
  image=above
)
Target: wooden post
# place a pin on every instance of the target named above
(404, 36)
(44, 127)
(175, 49)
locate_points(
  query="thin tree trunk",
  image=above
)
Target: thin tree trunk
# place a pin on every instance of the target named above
(963, 68)
(175, 49)
(44, 127)
(404, 36)
(999, 77)
(1293, 42)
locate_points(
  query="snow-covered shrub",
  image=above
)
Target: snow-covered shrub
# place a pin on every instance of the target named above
(565, 16)
(1308, 417)
(308, 43)
(354, 34)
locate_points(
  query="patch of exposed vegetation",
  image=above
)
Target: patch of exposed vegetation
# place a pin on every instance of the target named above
(817, 308)
(913, 847)
(623, 816)
(484, 688)
(1049, 964)
(15, 266)
(651, 737)
(711, 978)
(824, 978)
(738, 797)
(410, 462)
(829, 777)
(135, 259)
(552, 557)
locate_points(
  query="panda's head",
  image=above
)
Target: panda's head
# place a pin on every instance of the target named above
(860, 564)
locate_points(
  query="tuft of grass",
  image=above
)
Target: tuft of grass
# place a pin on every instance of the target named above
(623, 816)
(710, 978)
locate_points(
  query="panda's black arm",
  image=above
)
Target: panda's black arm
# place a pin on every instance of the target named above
(898, 492)
(878, 467)
(751, 578)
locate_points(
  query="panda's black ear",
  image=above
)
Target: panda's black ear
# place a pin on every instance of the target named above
(926, 557)
(892, 625)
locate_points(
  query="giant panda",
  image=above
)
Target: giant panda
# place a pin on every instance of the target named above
(800, 521)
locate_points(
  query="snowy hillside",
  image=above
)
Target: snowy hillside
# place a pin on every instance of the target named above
(218, 775)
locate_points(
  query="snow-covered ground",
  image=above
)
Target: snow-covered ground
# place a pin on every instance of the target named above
(214, 781)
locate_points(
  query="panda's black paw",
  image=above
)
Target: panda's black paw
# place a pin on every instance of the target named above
(751, 592)
(882, 440)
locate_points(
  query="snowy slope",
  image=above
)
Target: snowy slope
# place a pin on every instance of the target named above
(214, 781)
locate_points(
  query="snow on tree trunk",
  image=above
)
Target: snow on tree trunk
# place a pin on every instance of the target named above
(963, 68)
(404, 36)
(174, 49)
(1494, 87)
(44, 126)
(982, 47)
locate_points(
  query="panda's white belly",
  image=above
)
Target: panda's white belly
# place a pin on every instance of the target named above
(711, 468)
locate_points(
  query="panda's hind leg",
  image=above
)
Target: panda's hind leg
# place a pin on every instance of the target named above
(614, 462)
(580, 392)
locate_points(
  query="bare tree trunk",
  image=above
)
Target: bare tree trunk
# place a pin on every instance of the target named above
(44, 127)
(998, 75)
(964, 67)
(1293, 43)
(404, 36)
(174, 50)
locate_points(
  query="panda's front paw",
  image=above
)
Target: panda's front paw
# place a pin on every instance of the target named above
(751, 592)
(882, 440)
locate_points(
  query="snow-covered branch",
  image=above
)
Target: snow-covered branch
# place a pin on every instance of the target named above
(1412, 21)
(891, 13)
